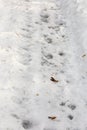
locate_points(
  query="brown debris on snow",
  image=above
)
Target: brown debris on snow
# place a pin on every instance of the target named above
(84, 55)
(52, 117)
(54, 80)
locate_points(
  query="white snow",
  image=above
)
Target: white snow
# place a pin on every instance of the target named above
(40, 40)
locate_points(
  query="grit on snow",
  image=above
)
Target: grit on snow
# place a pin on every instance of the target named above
(43, 65)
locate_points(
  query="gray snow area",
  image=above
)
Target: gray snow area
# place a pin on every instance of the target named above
(43, 64)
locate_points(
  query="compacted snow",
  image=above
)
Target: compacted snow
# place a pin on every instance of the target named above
(43, 64)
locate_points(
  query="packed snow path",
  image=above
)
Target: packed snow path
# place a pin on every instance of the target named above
(43, 65)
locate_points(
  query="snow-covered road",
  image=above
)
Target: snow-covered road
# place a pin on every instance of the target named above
(43, 65)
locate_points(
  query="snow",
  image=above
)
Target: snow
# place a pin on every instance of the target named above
(41, 41)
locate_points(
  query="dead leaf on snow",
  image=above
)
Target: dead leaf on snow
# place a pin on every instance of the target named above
(52, 117)
(54, 80)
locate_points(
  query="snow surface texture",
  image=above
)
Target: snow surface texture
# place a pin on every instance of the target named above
(43, 65)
